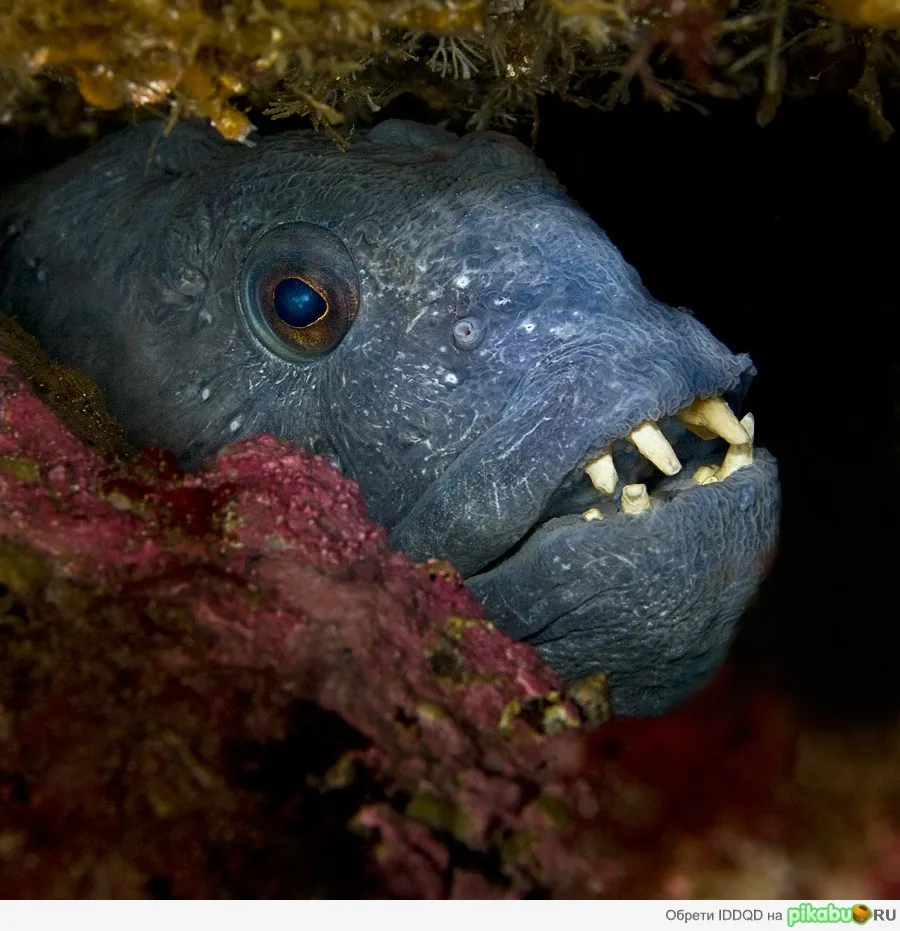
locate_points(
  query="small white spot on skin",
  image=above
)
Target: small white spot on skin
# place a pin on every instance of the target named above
(462, 281)
(41, 275)
(501, 301)
(451, 379)
(235, 425)
(527, 326)
(421, 265)
(205, 394)
(205, 317)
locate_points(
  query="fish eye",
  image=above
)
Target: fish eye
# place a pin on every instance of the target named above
(467, 332)
(299, 290)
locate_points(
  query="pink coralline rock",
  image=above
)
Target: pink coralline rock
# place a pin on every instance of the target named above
(161, 627)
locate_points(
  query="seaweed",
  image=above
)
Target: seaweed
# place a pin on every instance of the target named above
(483, 63)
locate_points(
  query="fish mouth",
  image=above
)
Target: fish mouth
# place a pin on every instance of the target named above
(546, 458)
(702, 444)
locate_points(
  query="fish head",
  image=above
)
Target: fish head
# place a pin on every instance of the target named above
(435, 316)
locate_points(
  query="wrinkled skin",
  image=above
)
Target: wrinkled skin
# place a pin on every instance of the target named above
(125, 263)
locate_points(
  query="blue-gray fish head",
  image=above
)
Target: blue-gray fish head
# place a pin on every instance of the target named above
(434, 315)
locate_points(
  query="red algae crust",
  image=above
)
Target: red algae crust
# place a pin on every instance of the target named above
(227, 685)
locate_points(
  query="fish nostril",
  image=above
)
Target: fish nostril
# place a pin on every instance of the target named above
(468, 332)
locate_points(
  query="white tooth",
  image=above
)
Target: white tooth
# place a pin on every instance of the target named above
(602, 473)
(706, 474)
(654, 446)
(715, 415)
(635, 499)
(739, 455)
(592, 514)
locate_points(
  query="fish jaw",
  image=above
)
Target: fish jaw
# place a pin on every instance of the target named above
(652, 599)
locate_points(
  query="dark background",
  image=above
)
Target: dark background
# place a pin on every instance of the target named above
(784, 241)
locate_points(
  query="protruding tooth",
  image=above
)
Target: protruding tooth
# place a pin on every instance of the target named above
(739, 455)
(602, 473)
(715, 415)
(705, 475)
(654, 446)
(635, 499)
(592, 514)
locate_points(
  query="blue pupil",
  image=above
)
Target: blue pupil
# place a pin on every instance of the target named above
(297, 304)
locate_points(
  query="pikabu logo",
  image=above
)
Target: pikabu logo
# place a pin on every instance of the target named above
(807, 913)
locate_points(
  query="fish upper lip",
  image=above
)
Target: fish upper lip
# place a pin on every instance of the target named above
(603, 442)
(599, 445)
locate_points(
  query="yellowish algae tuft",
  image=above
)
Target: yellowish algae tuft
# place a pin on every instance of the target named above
(65, 63)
